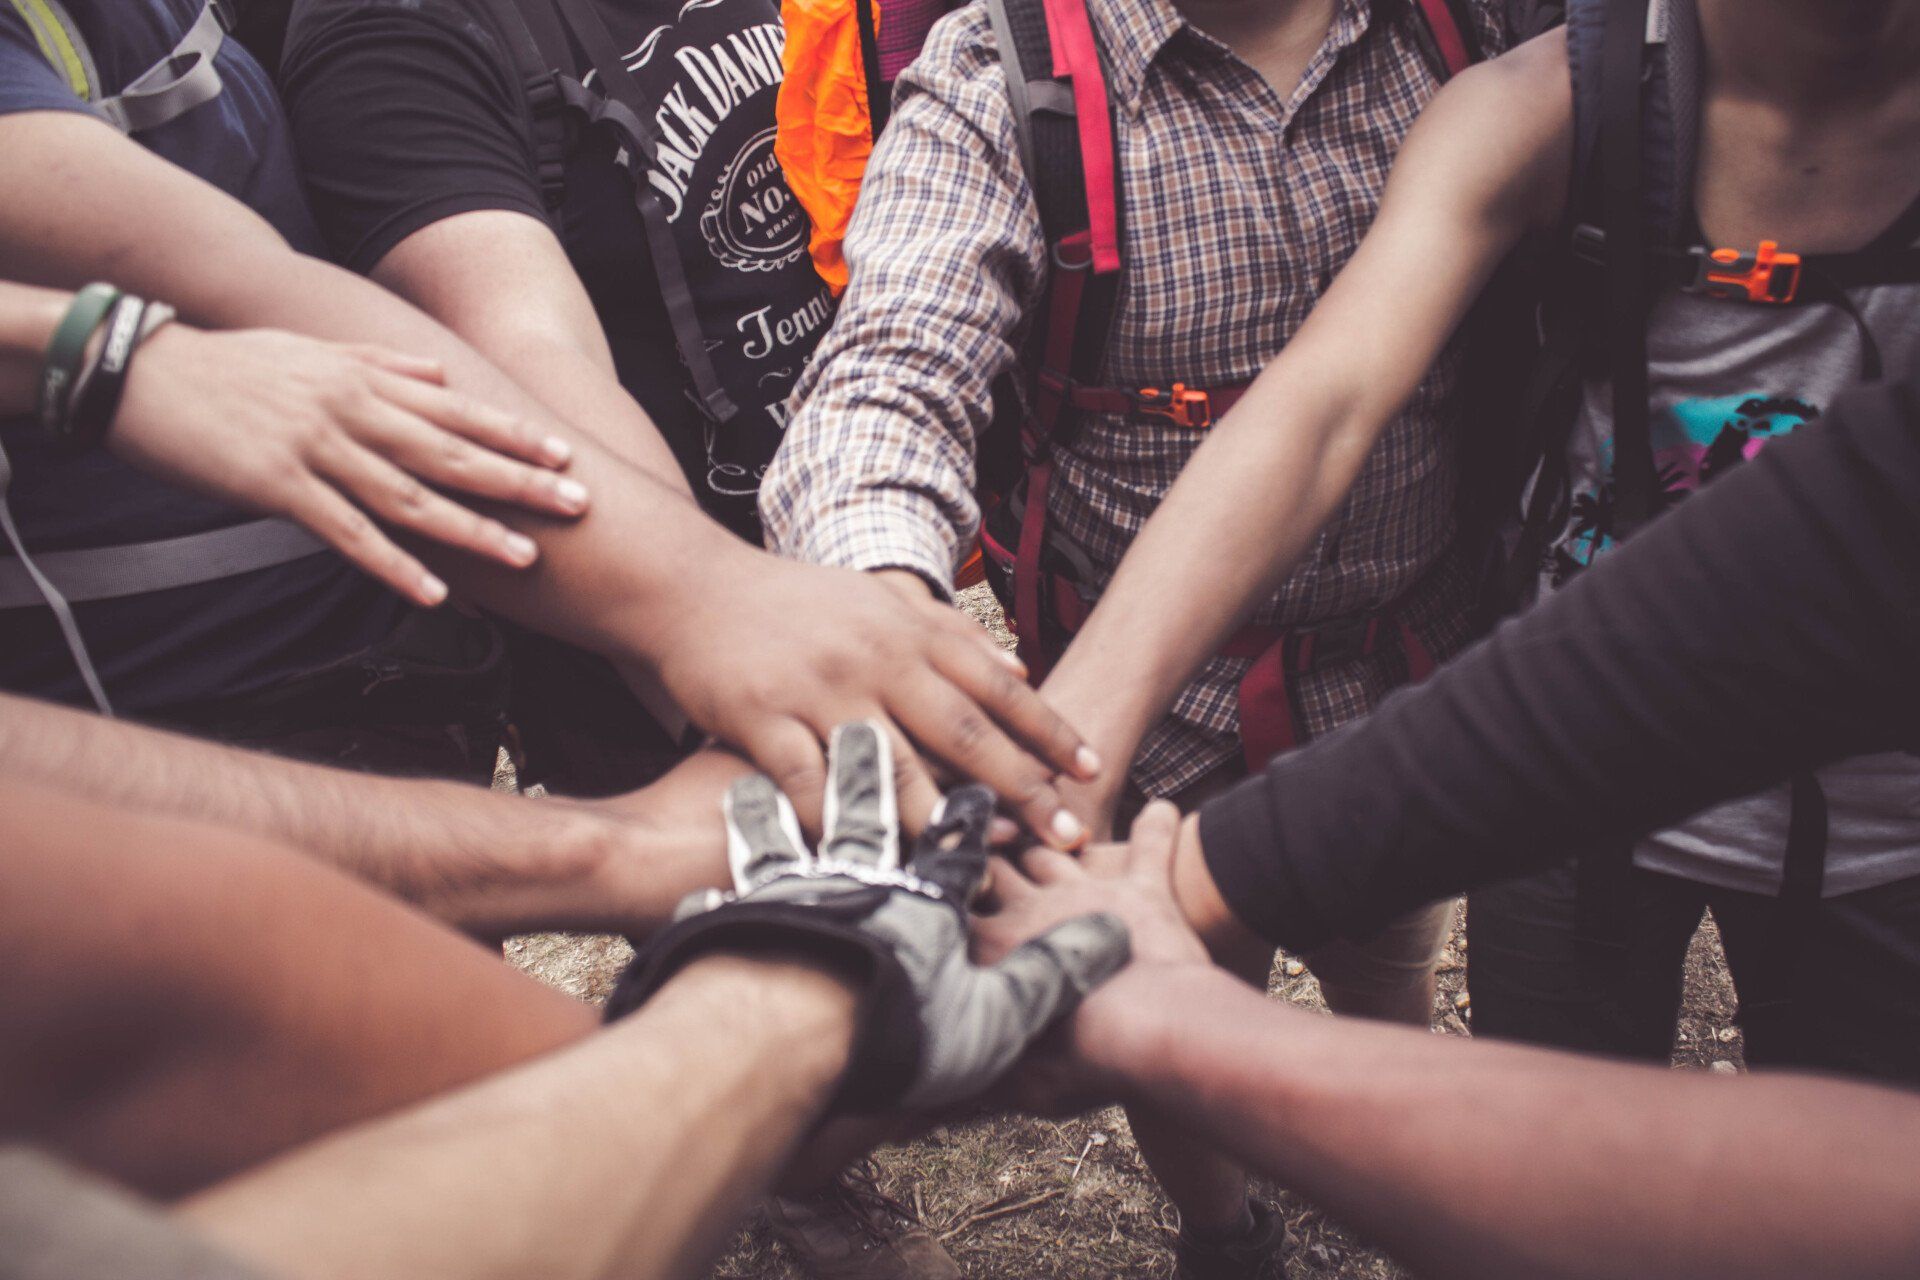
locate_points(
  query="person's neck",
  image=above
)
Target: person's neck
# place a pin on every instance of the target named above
(1811, 53)
(1262, 23)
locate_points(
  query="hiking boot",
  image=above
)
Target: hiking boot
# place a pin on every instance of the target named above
(855, 1231)
(1253, 1254)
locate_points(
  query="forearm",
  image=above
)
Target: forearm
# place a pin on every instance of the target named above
(629, 1154)
(28, 317)
(117, 213)
(1483, 1160)
(486, 862)
(1681, 670)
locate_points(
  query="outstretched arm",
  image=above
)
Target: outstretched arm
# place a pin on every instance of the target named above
(1471, 1159)
(488, 863)
(629, 1154)
(1486, 161)
(1485, 1161)
(765, 654)
(1682, 670)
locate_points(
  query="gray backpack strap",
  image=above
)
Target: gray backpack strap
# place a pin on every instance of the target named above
(109, 573)
(41, 589)
(179, 82)
(171, 87)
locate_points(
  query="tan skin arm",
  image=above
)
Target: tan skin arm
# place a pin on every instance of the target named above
(528, 313)
(768, 662)
(1470, 1159)
(630, 1154)
(1487, 160)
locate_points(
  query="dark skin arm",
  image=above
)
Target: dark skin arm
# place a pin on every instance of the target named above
(768, 664)
(528, 314)
(1472, 1159)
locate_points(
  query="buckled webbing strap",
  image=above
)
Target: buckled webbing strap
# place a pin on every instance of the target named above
(1272, 720)
(178, 83)
(1076, 56)
(40, 589)
(171, 87)
(1193, 407)
(628, 112)
(541, 58)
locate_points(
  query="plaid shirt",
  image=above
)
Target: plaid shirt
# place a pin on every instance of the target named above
(1241, 204)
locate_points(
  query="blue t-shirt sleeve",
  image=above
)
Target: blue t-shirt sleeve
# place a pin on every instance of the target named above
(28, 81)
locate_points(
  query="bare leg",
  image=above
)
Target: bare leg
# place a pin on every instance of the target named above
(185, 1000)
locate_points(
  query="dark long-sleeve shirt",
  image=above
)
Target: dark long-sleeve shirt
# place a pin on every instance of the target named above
(1769, 625)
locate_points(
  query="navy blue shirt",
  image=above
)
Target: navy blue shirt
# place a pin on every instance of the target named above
(171, 649)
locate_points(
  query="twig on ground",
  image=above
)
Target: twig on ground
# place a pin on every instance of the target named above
(998, 1209)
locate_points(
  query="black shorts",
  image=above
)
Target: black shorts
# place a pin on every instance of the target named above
(440, 696)
(1849, 1000)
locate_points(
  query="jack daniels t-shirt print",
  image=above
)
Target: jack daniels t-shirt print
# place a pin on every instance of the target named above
(407, 112)
(713, 67)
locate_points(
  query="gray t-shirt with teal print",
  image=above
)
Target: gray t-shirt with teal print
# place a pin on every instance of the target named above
(1726, 378)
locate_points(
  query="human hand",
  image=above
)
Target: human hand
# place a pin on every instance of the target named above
(787, 651)
(336, 437)
(938, 1029)
(1129, 882)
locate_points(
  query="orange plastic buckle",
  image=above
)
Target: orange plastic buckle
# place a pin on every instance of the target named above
(1187, 406)
(1766, 275)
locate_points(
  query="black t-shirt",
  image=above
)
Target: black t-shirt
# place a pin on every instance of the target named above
(1679, 671)
(169, 649)
(406, 112)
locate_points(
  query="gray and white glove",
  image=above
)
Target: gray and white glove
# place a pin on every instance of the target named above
(936, 1029)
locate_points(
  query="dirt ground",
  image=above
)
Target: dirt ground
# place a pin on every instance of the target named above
(1015, 1199)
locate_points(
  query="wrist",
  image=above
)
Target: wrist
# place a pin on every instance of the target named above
(1129, 1030)
(807, 1009)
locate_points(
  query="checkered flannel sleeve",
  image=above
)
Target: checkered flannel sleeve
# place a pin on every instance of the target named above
(945, 258)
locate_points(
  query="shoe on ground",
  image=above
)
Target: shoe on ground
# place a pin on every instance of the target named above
(855, 1231)
(1254, 1254)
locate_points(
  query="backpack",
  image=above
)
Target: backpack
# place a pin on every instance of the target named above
(1636, 68)
(183, 80)
(832, 108)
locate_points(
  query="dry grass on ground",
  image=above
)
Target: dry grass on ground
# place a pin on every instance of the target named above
(1020, 1199)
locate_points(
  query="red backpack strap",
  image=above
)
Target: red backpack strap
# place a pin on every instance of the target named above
(1448, 36)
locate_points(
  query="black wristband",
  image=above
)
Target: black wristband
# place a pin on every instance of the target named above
(105, 379)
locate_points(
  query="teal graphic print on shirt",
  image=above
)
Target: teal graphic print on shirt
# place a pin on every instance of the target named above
(1693, 442)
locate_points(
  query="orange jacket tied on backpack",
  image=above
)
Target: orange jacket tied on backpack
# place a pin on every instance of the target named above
(826, 127)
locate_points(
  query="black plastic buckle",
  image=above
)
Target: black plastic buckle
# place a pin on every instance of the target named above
(1766, 275)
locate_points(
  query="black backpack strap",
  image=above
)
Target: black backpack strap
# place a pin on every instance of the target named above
(620, 105)
(1622, 214)
(543, 60)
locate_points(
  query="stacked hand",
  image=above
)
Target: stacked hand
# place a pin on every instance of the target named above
(937, 1027)
(336, 438)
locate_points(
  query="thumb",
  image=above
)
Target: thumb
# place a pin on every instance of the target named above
(1002, 1009)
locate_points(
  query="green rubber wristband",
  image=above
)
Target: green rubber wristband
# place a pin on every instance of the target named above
(67, 352)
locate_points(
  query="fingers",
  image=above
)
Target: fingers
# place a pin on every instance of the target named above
(1106, 861)
(982, 672)
(457, 443)
(859, 822)
(1007, 884)
(1049, 866)
(402, 500)
(789, 753)
(420, 368)
(1155, 833)
(952, 851)
(763, 832)
(346, 529)
(959, 732)
(916, 793)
